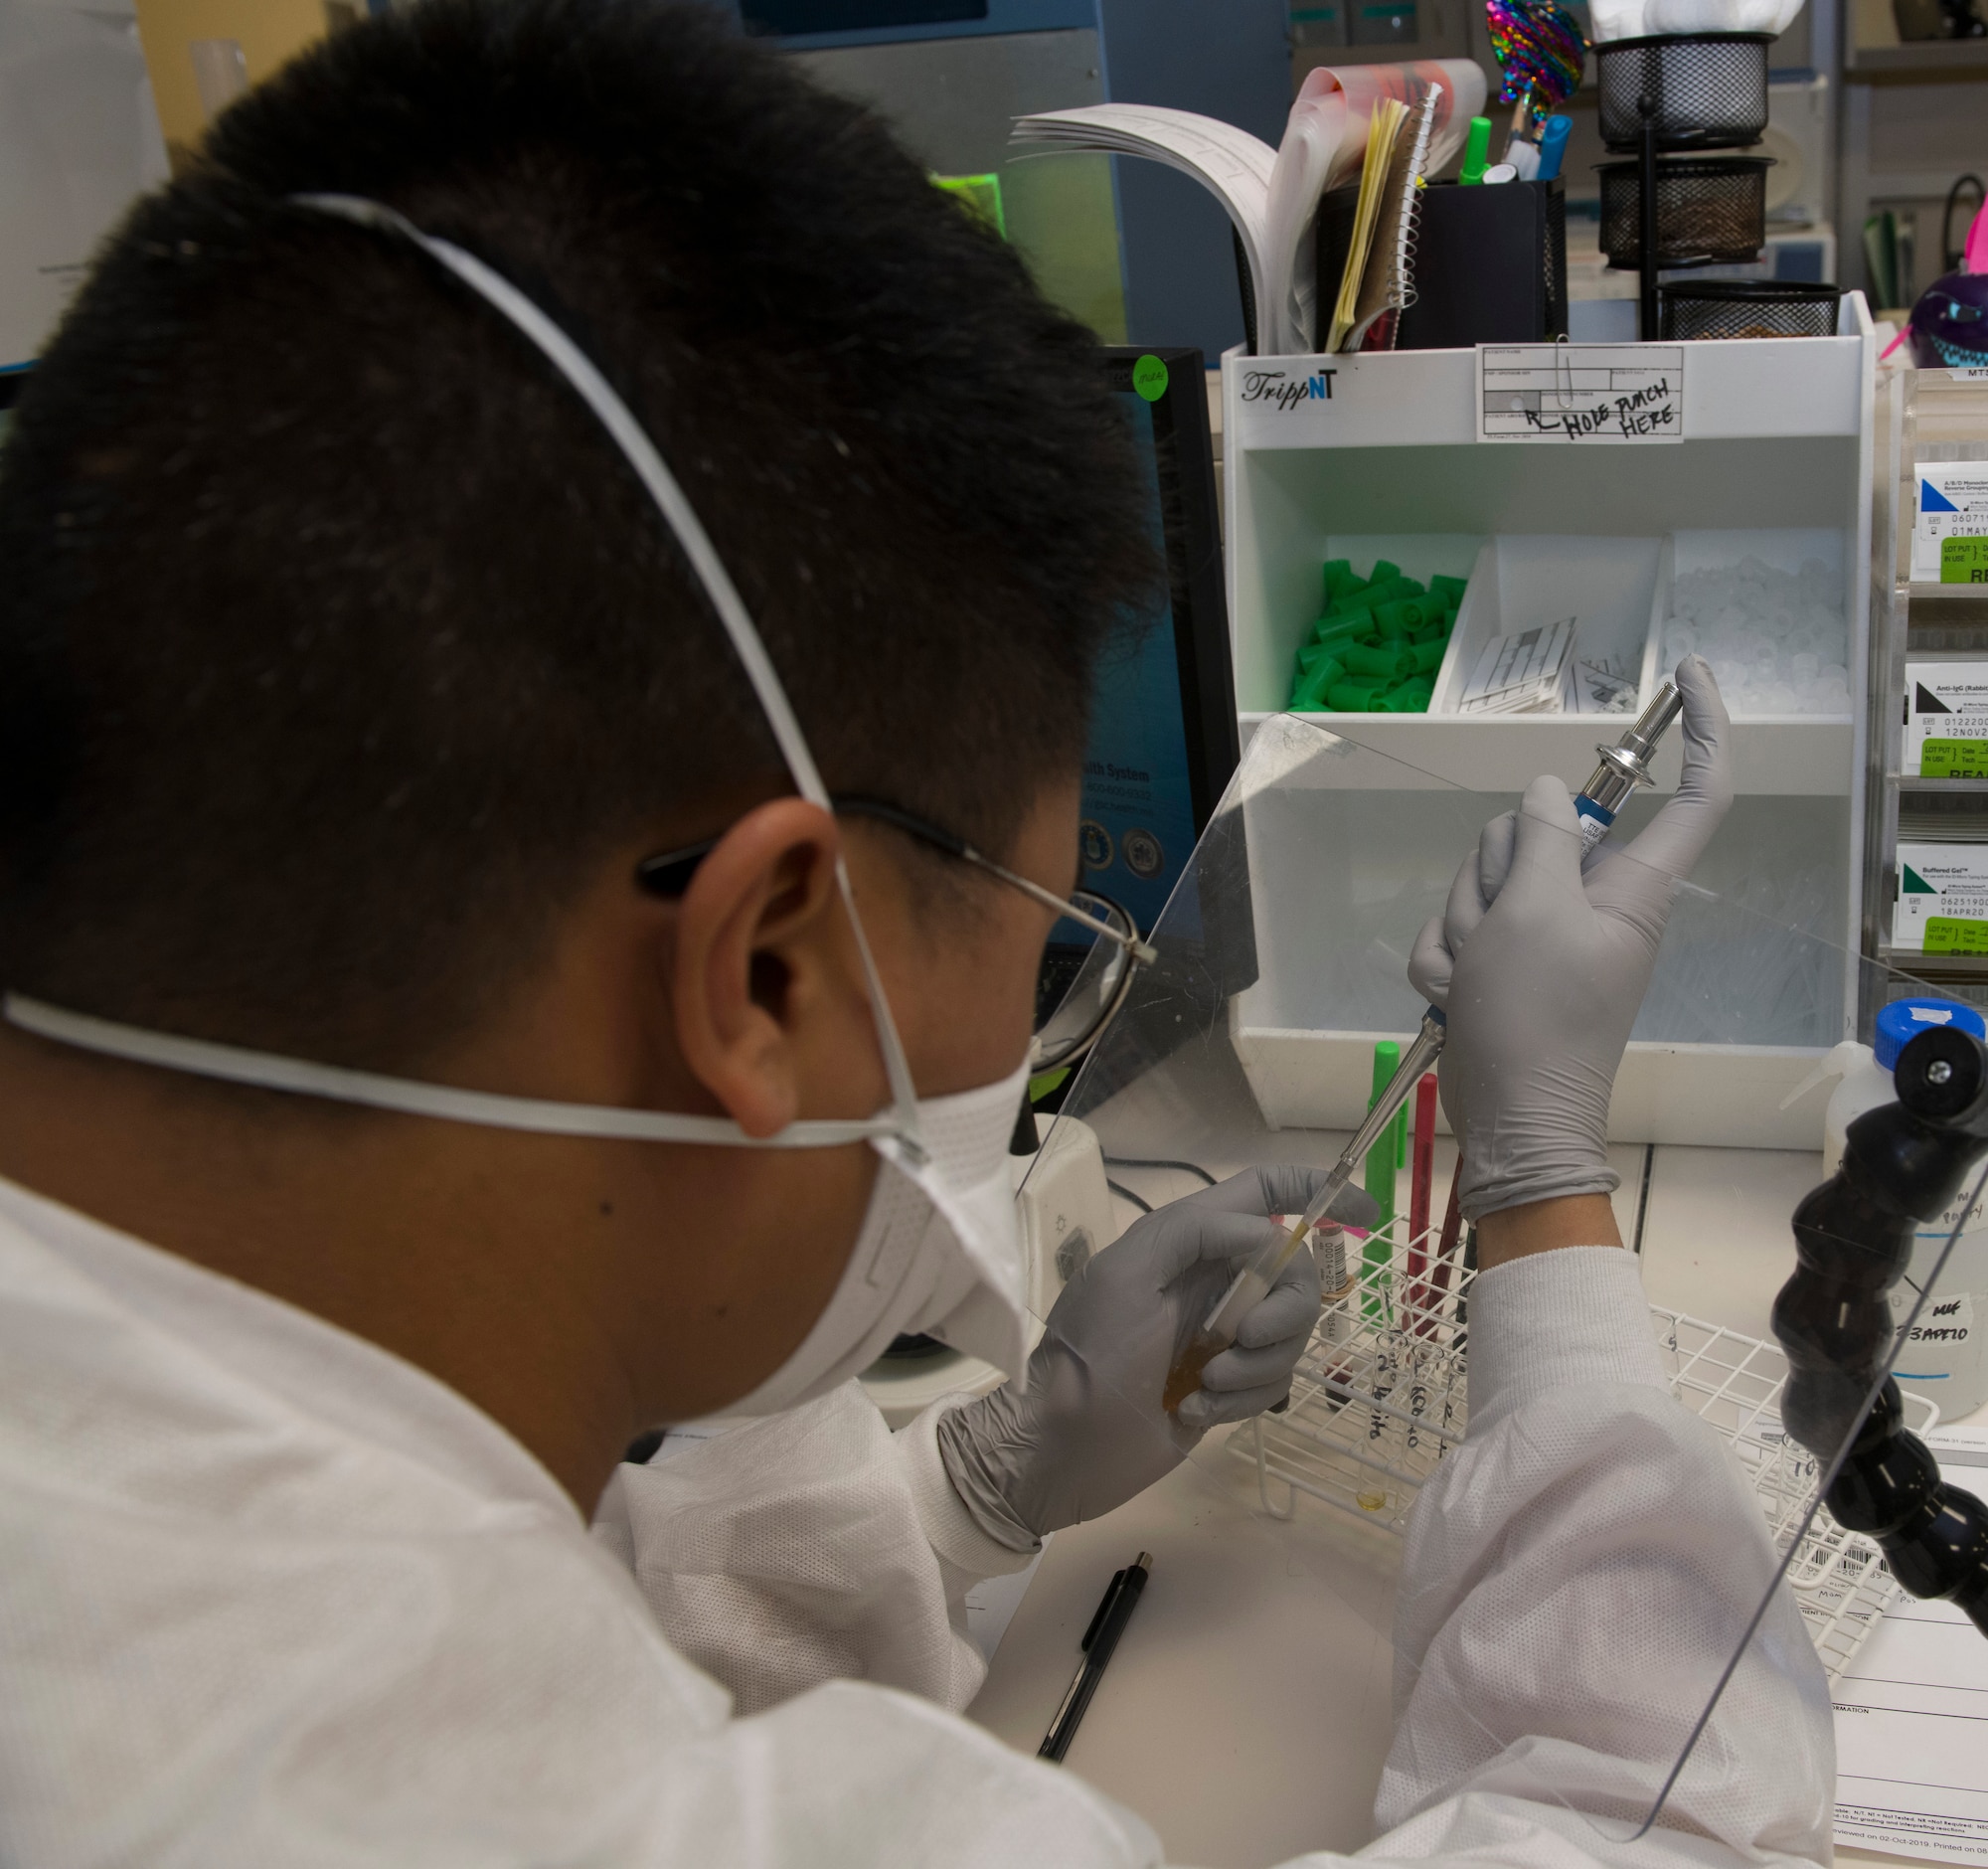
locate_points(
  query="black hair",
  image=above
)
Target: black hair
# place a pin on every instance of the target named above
(339, 646)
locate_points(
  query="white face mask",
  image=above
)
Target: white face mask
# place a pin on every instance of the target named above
(939, 1250)
(938, 1254)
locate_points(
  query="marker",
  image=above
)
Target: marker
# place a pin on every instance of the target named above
(1122, 1597)
(1476, 148)
(1553, 147)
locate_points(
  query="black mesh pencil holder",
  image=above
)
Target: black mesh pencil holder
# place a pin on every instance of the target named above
(1701, 308)
(1711, 211)
(1709, 90)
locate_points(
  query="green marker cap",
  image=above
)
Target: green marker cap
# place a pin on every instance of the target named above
(1477, 150)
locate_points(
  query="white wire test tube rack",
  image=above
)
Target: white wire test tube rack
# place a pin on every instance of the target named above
(1380, 1397)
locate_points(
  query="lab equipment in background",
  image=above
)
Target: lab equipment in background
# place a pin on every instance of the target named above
(1694, 309)
(1950, 521)
(1107, 1623)
(1686, 92)
(1855, 1234)
(1888, 257)
(1947, 719)
(1942, 905)
(1409, 1370)
(1379, 642)
(1947, 1358)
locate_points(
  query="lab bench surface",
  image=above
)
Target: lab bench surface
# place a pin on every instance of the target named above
(1248, 1712)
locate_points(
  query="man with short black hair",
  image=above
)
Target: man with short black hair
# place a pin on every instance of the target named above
(553, 587)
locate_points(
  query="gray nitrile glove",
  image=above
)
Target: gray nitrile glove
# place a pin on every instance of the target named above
(1541, 970)
(1084, 1431)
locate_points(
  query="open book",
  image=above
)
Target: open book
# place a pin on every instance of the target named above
(1271, 195)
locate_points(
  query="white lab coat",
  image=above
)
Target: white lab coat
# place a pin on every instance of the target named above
(271, 1596)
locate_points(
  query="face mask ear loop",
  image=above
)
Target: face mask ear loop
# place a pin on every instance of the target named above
(640, 452)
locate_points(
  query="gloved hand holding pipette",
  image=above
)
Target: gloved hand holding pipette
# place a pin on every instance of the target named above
(1541, 969)
(1084, 1431)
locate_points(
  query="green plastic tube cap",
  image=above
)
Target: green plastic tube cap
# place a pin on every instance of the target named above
(1355, 697)
(1389, 661)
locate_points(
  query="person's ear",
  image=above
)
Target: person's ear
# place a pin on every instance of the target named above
(756, 952)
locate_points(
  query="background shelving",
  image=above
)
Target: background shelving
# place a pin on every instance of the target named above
(1758, 978)
(1917, 415)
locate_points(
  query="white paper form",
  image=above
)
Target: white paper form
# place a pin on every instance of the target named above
(1571, 394)
(1911, 1715)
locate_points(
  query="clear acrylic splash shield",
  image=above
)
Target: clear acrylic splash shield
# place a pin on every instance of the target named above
(1620, 1664)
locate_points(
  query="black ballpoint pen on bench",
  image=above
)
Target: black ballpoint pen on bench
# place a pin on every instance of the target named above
(1122, 1597)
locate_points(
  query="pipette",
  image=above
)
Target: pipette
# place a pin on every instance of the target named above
(1624, 769)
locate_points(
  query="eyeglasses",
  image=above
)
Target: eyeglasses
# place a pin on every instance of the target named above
(1091, 955)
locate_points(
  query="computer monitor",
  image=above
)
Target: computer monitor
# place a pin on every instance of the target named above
(1163, 741)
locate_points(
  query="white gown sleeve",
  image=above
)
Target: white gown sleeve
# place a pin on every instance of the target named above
(1576, 1576)
(812, 1546)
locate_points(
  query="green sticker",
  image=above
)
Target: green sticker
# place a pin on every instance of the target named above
(1955, 759)
(1961, 561)
(1949, 934)
(1149, 378)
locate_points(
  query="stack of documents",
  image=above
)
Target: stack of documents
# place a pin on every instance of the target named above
(1521, 674)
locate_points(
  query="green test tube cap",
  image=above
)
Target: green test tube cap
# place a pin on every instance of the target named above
(1451, 590)
(1385, 571)
(1312, 687)
(1355, 697)
(1389, 662)
(1413, 695)
(1330, 630)
(1428, 656)
(1340, 579)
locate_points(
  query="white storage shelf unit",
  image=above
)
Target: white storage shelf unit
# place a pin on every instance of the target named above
(1775, 464)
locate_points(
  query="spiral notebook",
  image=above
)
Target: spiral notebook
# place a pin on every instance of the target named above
(1368, 233)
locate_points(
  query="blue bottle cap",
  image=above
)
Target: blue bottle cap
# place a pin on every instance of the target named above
(1904, 1019)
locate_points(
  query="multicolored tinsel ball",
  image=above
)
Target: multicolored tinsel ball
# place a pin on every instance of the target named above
(1539, 48)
